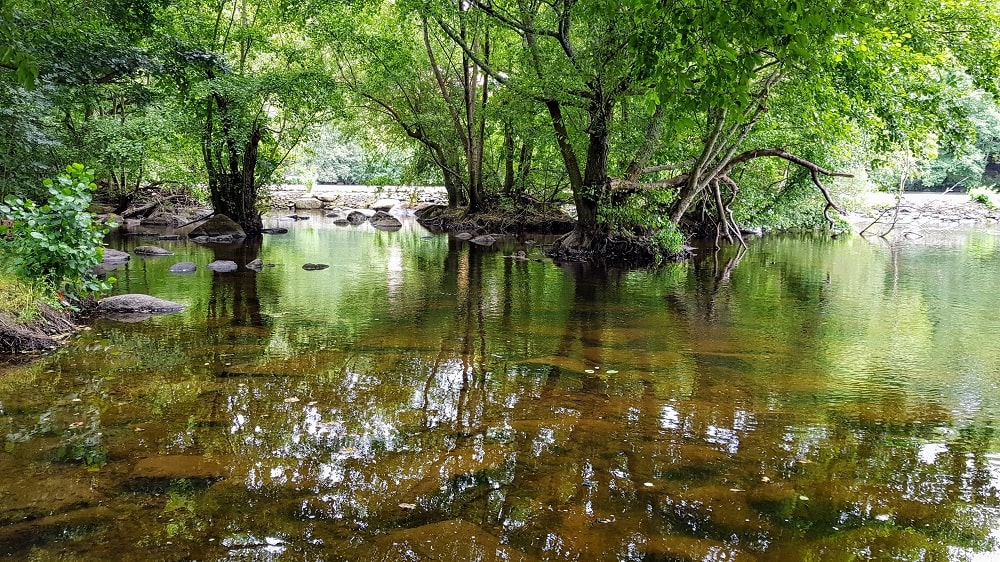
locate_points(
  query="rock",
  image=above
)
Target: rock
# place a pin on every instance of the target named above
(162, 219)
(218, 225)
(308, 203)
(341, 222)
(222, 266)
(138, 303)
(20, 537)
(385, 204)
(223, 239)
(183, 267)
(453, 541)
(156, 473)
(255, 265)
(484, 240)
(384, 221)
(332, 214)
(115, 257)
(151, 251)
(356, 217)
(169, 237)
(298, 217)
(274, 230)
(314, 266)
(463, 236)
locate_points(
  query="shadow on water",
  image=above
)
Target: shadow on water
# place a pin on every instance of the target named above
(429, 399)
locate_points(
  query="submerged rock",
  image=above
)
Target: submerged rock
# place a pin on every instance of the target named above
(156, 473)
(314, 266)
(255, 265)
(151, 251)
(218, 225)
(138, 303)
(115, 257)
(451, 541)
(484, 240)
(274, 230)
(183, 267)
(223, 266)
(384, 221)
(356, 217)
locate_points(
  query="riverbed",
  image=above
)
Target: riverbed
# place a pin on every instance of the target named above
(424, 398)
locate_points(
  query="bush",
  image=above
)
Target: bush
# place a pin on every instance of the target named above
(58, 242)
(669, 239)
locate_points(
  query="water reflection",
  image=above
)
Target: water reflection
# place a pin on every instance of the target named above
(427, 399)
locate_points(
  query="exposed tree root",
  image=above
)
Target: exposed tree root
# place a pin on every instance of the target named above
(630, 250)
(39, 334)
(497, 221)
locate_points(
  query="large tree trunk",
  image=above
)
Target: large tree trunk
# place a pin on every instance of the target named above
(231, 175)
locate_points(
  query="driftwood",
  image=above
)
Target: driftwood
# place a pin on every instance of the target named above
(148, 208)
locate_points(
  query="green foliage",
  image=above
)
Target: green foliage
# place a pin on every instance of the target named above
(986, 196)
(669, 240)
(19, 297)
(59, 241)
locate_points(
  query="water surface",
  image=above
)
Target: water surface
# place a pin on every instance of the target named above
(426, 399)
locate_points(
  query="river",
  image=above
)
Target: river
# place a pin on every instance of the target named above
(426, 399)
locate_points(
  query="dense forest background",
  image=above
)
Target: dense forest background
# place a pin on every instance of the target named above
(652, 119)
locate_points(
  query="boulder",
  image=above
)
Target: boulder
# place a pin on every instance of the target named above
(385, 204)
(222, 266)
(341, 222)
(162, 219)
(153, 474)
(314, 266)
(115, 257)
(138, 303)
(183, 267)
(255, 265)
(151, 251)
(356, 217)
(274, 230)
(308, 203)
(385, 221)
(484, 240)
(218, 225)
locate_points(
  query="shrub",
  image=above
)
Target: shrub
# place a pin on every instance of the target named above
(58, 242)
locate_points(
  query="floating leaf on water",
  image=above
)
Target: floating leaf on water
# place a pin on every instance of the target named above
(408, 505)
(647, 484)
(804, 498)
(138, 429)
(77, 400)
(313, 403)
(736, 490)
(611, 372)
(589, 371)
(765, 479)
(291, 399)
(804, 461)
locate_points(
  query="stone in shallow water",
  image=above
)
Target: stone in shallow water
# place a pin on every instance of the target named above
(278, 230)
(384, 221)
(151, 251)
(183, 267)
(446, 541)
(156, 473)
(484, 240)
(222, 266)
(138, 303)
(112, 256)
(314, 266)
(219, 225)
(255, 265)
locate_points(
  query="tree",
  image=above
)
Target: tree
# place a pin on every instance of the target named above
(255, 86)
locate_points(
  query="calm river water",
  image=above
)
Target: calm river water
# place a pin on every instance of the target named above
(425, 399)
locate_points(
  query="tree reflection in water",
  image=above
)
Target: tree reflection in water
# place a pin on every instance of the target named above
(460, 405)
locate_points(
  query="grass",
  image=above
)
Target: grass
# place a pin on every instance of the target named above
(19, 298)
